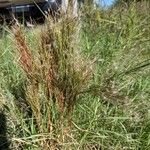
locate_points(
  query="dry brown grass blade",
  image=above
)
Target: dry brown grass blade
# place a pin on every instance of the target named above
(28, 65)
(24, 51)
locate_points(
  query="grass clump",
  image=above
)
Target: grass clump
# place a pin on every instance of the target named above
(55, 76)
(79, 83)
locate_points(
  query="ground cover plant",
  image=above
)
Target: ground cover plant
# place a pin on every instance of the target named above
(77, 83)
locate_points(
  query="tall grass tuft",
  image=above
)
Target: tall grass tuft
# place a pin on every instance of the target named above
(56, 75)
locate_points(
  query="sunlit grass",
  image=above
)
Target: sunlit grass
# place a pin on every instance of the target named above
(97, 96)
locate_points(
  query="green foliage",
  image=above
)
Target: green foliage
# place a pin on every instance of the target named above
(129, 2)
(110, 105)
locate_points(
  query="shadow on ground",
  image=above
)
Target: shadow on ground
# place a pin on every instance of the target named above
(4, 143)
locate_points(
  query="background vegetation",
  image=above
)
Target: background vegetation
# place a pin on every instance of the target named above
(77, 83)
